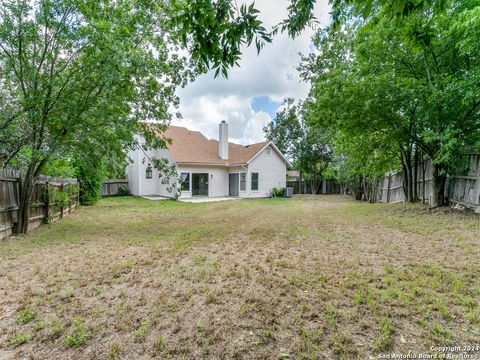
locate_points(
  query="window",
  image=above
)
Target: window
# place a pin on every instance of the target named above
(254, 185)
(268, 150)
(185, 181)
(243, 181)
(148, 172)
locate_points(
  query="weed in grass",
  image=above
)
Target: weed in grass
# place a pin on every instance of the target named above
(66, 294)
(384, 339)
(349, 315)
(159, 344)
(310, 340)
(323, 279)
(441, 306)
(124, 308)
(96, 290)
(78, 334)
(360, 298)
(388, 269)
(25, 316)
(265, 336)
(331, 316)
(388, 280)
(473, 315)
(199, 258)
(18, 339)
(114, 351)
(39, 325)
(439, 333)
(343, 346)
(204, 334)
(54, 329)
(122, 268)
(141, 332)
(212, 297)
(385, 296)
(244, 309)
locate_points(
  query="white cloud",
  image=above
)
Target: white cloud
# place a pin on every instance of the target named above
(207, 101)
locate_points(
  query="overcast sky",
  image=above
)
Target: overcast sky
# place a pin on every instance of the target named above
(248, 99)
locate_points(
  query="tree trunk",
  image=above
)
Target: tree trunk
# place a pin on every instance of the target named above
(406, 156)
(27, 184)
(300, 183)
(359, 188)
(438, 185)
(424, 172)
(415, 175)
(26, 190)
(409, 183)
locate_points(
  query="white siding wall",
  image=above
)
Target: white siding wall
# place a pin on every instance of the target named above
(217, 179)
(132, 171)
(136, 172)
(272, 172)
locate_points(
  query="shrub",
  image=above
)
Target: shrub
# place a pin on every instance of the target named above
(278, 192)
(91, 175)
(123, 191)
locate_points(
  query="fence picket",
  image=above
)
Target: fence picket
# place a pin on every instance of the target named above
(42, 208)
(463, 189)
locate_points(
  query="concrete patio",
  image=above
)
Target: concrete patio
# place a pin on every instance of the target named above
(208, 199)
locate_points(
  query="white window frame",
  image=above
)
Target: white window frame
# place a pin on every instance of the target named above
(149, 171)
(251, 181)
(189, 181)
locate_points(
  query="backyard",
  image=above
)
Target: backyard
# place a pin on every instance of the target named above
(308, 277)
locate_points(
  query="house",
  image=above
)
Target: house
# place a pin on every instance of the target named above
(213, 168)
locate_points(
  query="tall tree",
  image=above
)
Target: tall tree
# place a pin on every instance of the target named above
(409, 83)
(78, 77)
(306, 147)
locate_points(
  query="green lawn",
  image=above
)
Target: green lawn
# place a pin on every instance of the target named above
(309, 277)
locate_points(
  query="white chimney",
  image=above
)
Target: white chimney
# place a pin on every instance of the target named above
(223, 140)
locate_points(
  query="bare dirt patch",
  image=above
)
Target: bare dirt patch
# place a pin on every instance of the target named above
(309, 277)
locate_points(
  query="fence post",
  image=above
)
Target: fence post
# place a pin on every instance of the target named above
(476, 191)
(388, 187)
(19, 192)
(61, 207)
(46, 200)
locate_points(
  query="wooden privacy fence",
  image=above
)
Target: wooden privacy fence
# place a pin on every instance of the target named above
(327, 186)
(462, 188)
(110, 187)
(52, 199)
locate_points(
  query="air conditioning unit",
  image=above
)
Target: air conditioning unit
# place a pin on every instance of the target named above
(288, 192)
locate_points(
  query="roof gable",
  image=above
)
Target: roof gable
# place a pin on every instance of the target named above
(194, 148)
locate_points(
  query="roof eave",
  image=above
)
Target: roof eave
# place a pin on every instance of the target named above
(275, 148)
(201, 163)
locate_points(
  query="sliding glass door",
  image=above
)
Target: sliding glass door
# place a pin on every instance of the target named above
(200, 184)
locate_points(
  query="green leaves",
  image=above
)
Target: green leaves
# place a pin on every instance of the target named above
(306, 146)
(214, 32)
(406, 84)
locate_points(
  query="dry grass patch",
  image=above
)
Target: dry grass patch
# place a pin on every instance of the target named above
(303, 278)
